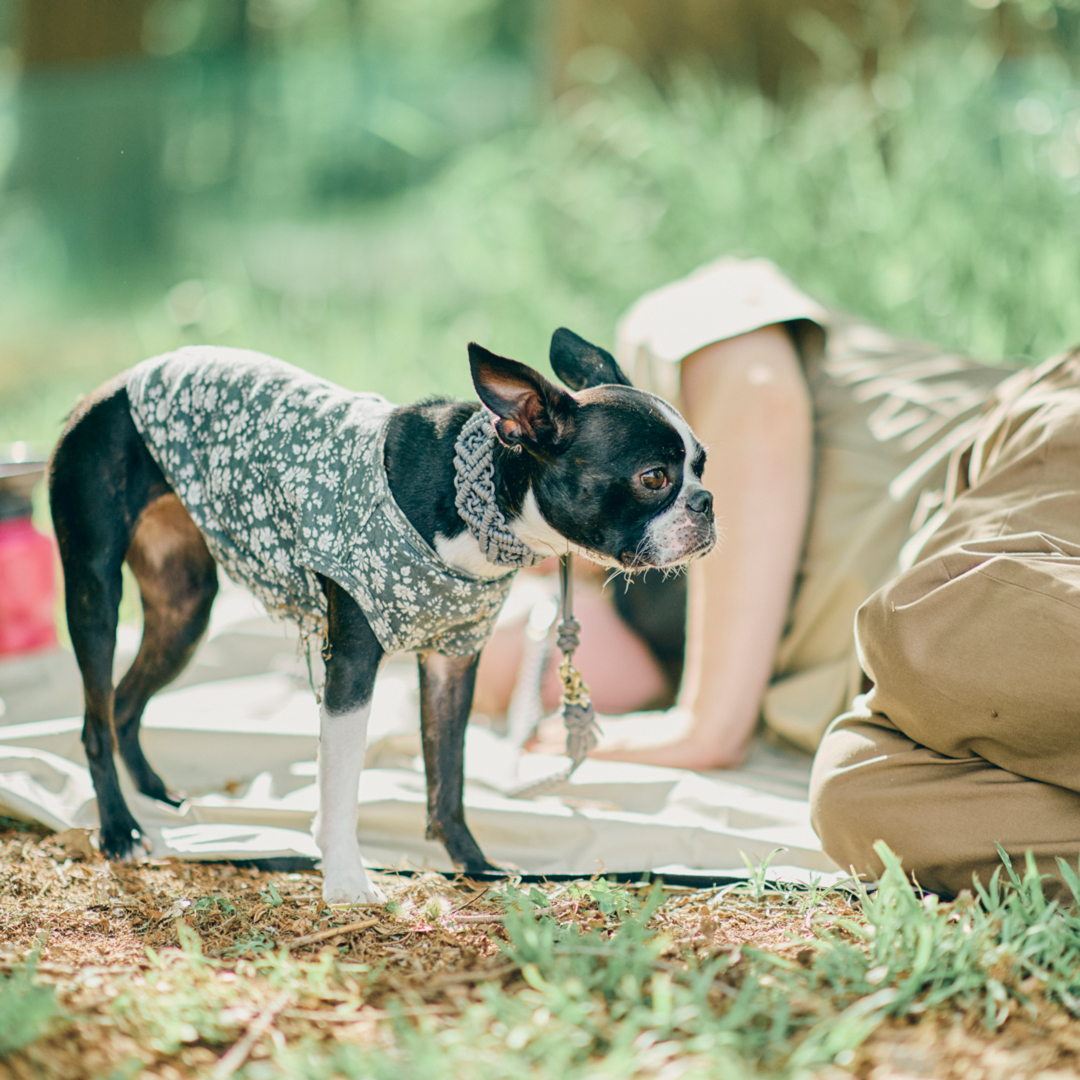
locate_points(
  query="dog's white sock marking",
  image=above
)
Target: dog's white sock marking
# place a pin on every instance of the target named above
(342, 741)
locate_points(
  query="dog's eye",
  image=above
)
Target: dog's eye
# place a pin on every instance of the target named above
(654, 479)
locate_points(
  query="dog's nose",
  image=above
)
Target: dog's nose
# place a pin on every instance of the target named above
(700, 502)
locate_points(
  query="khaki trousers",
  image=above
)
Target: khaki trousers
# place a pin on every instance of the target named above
(971, 733)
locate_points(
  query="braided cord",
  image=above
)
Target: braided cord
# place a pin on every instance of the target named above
(474, 482)
(577, 709)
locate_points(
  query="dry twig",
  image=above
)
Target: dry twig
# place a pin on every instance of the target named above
(331, 932)
(479, 975)
(237, 1054)
(42, 968)
(326, 1017)
(472, 900)
(474, 920)
(479, 920)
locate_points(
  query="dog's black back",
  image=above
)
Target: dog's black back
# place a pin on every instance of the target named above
(110, 502)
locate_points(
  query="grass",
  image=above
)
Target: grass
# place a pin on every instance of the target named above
(571, 982)
(28, 1008)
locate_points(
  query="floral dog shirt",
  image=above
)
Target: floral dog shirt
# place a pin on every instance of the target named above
(283, 473)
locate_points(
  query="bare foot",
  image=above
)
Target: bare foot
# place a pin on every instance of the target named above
(664, 738)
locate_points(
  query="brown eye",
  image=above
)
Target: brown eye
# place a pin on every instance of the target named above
(654, 479)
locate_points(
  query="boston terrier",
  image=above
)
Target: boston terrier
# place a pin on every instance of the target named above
(379, 528)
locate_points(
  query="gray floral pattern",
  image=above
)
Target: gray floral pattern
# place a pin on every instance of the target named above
(283, 473)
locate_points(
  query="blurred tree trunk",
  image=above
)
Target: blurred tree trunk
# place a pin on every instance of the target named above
(784, 47)
(768, 43)
(74, 31)
(89, 130)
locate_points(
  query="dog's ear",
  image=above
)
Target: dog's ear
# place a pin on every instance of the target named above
(580, 364)
(532, 412)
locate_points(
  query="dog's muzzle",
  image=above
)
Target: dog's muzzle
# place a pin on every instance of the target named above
(685, 531)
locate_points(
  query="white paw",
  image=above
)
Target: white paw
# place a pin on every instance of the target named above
(351, 886)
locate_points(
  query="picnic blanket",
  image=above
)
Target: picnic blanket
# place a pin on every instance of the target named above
(238, 735)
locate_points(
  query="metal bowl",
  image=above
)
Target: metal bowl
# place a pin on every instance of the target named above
(22, 466)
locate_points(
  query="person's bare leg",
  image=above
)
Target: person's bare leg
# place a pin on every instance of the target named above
(747, 400)
(497, 673)
(621, 672)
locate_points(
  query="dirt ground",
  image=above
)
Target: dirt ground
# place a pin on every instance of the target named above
(439, 942)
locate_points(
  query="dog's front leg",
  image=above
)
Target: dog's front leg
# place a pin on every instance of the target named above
(446, 693)
(352, 662)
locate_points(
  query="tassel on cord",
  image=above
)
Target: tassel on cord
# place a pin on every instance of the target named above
(578, 715)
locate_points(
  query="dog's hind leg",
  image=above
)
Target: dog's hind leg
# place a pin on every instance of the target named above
(177, 582)
(100, 479)
(446, 693)
(352, 658)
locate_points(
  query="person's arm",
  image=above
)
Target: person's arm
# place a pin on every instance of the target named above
(747, 400)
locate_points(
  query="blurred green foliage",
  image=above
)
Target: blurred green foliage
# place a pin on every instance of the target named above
(363, 188)
(28, 1007)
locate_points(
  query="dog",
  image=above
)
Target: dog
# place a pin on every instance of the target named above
(379, 527)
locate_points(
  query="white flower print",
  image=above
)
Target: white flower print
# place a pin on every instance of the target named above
(292, 468)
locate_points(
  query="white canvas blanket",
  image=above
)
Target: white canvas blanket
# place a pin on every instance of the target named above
(239, 733)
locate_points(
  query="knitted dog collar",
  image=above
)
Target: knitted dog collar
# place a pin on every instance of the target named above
(474, 469)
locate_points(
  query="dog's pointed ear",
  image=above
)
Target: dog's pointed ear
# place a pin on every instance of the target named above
(580, 364)
(532, 412)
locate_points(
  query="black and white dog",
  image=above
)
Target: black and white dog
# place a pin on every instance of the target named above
(213, 455)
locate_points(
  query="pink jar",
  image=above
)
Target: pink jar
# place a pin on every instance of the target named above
(27, 565)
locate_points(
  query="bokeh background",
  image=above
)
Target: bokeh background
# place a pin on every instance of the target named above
(362, 186)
